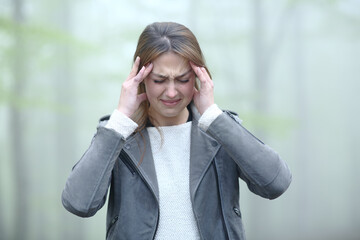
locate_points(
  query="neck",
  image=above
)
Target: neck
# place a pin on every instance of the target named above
(161, 121)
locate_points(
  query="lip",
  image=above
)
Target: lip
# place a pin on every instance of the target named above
(170, 103)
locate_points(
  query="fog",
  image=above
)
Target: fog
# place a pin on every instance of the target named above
(290, 69)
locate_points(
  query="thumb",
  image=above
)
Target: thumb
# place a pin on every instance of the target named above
(141, 97)
(196, 93)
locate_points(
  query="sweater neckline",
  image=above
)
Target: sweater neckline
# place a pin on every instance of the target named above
(178, 126)
(149, 124)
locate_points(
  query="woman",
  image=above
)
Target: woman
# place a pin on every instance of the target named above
(171, 157)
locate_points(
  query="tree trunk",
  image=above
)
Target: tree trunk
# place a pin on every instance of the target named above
(17, 126)
(302, 151)
(256, 210)
(66, 122)
(2, 222)
(264, 55)
(260, 66)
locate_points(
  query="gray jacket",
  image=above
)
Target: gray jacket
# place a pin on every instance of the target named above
(218, 157)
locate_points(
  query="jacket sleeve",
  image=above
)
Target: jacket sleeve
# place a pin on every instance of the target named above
(86, 187)
(265, 173)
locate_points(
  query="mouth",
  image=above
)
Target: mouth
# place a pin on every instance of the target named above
(170, 103)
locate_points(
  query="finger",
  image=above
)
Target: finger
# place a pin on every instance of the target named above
(201, 75)
(148, 70)
(144, 72)
(138, 78)
(197, 71)
(134, 68)
(193, 66)
(207, 77)
(203, 70)
(141, 97)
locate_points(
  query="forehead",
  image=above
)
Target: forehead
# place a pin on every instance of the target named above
(170, 64)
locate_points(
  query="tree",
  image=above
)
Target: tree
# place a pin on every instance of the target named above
(66, 124)
(17, 124)
(264, 55)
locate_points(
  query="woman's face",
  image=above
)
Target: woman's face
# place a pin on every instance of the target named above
(170, 88)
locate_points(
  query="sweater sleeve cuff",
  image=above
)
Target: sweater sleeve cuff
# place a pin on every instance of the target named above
(209, 116)
(121, 124)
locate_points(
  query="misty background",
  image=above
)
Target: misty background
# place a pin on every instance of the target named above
(289, 68)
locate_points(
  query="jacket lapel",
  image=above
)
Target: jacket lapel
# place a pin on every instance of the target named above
(202, 151)
(134, 147)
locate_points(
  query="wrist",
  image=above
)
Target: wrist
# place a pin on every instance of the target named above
(121, 123)
(124, 111)
(203, 109)
(209, 116)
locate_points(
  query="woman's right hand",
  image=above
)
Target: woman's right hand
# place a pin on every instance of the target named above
(129, 99)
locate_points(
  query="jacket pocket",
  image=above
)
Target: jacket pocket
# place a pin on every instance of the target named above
(127, 161)
(111, 226)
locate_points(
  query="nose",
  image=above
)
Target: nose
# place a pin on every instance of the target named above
(171, 91)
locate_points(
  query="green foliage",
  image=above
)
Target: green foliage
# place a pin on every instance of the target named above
(278, 125)
(273, 124)
(35, 39)
(42, 34)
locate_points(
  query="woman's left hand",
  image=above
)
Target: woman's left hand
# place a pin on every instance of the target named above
(204, 97)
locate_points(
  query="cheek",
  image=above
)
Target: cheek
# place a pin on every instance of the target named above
(152, 90)
(188, 89)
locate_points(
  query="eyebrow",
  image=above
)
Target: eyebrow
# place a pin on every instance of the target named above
(179, 76)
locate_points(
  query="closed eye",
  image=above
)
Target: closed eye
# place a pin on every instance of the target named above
(184, 80)
(158, 81)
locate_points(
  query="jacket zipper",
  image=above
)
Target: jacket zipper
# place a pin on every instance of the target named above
(113, 221)
(125, 159)
(130, 164)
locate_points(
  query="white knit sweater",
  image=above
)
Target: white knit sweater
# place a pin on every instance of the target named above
(172, 165)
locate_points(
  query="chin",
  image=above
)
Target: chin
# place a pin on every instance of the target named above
(170, 113)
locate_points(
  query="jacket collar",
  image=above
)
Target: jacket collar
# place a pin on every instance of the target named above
(202, 151)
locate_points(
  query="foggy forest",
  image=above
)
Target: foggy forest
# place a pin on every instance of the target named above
(289, 68)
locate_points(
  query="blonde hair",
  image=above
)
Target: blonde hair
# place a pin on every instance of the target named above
(156, 39)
